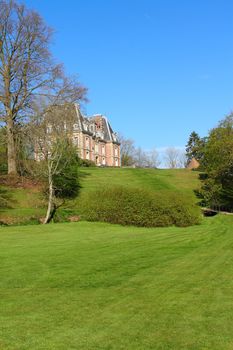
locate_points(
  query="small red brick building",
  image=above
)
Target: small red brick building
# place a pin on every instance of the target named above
(193, 164)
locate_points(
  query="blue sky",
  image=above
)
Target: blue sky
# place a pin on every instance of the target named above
(158, 69)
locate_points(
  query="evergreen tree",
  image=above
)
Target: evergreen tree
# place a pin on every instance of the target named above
(195, 147)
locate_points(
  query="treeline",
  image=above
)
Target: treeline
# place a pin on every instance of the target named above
(215, 155)
(135, 156)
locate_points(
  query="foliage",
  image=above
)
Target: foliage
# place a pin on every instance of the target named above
(135, 206)
(217, 187)
(4, 198)
(66, 181)
(64, 215)
(209, 194)
(86, 163)
(59, 170)
(55, 155)
(195, 147)
(29, 201)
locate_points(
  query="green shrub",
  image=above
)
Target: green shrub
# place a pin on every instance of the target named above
(130, 206)
(86, 163)
(3, 168)
(5, 198)
(63, 214)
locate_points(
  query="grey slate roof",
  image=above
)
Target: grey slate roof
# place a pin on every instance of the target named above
(88, 125)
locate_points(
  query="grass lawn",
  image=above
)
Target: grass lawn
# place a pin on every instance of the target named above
(24, 205)
(28, 204)
(153, 179)
(93, 286)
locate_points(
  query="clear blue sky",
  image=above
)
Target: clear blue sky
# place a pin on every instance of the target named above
(158, 69)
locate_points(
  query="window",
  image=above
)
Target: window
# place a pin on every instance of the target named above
(75, 140)
(49, 129)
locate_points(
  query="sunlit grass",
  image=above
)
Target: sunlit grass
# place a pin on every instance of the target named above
(96, 286)
(29, 204)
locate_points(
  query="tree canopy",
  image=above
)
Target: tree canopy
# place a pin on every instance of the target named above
(195, 147)
(217, 189)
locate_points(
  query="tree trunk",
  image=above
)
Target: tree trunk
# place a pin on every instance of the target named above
(11, 149)
(50, 202)
(52, 213)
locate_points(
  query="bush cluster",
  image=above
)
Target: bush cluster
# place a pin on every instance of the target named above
(130, 206)
(86, 163)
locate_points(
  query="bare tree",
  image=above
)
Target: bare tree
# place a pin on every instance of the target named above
(127, 151)
(141, 159)
(182, 159)
(172, 157)
(49, 152)
(26, 68)
(152, 159)
(3, 149)
(130, 155)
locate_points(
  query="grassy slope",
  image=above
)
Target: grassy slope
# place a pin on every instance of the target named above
(27, 203)
(165, 180)
(154, 179)
(95, 286)
(24, 205)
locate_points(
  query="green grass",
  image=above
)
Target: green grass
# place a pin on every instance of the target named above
(93, 286)
(153, 179)
(27, 203)
(163, 180)
(24, 204)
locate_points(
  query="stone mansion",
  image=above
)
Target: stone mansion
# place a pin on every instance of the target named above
(92, 136)
(95, 139)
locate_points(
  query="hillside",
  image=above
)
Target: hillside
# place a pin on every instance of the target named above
(154, 179)
(27, 204)
(93, 286)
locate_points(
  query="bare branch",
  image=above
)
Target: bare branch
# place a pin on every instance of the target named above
(27, 70)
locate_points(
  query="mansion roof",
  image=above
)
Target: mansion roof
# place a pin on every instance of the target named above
(97, 126)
